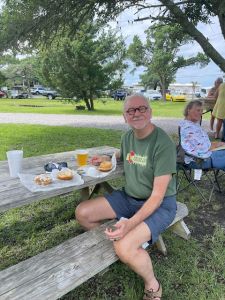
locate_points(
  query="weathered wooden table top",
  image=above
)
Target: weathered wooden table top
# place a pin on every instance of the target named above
(14, 194)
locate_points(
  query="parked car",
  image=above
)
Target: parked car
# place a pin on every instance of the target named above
(119, 95)
(50, 94)
(2, 94)
(176, 97)
(37, 91)
(200, 95)
(23, 95)
(152, 95)
(18, 92)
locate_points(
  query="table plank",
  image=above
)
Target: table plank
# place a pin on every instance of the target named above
(14, 194)
(54, 272)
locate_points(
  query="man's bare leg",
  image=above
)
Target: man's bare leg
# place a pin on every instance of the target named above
(89, 213)
(130, 252)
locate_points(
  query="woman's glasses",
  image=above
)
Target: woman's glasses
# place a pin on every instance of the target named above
(132, 111)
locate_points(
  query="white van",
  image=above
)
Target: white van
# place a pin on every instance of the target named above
(152, 95)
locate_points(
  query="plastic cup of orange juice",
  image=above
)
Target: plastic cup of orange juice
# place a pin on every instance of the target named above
(82, 157)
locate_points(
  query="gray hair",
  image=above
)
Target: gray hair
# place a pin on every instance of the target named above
(190, 105)
(219, 80)
(135, 95)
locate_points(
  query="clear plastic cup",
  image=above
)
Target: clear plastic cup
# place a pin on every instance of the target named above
(15, 158)
(82, 157)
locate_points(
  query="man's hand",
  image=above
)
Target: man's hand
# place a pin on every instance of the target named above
(119, 230)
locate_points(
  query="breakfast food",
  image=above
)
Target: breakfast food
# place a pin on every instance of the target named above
(65, 174)
(105, 166)
(43, 179)
(97, 159)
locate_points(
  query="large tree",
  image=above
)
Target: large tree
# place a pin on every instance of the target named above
(27, 22)
(82, 67)
(24, 71)
(159, 54)
(4, 61)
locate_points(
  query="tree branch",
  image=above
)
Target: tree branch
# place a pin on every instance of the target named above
(190, 29)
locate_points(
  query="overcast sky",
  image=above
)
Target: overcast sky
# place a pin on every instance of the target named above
(204, 76)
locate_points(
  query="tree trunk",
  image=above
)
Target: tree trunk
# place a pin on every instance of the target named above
(87, 104)
(92, 104)
(190, 29)
(163, 86)
(221, 16)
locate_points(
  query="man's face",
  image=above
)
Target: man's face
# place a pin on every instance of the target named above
(137, 113)
(217, 83)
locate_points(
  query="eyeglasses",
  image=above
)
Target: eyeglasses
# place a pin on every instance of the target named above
(132, 111)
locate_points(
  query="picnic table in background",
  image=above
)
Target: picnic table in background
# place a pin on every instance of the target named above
(208, 104)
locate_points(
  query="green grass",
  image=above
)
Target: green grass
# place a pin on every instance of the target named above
(102, 107)
(193, 269)
(37, 140)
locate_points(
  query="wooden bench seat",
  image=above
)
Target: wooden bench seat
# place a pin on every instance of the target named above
(55, 272)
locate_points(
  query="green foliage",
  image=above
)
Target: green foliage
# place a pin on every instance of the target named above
(24, 71)
(90, 62)
(27, 24)
(2, 79)
(160, 54)
(4, 61)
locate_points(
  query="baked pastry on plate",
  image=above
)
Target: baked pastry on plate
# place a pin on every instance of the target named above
(65, 174)
(105, 166)
(43, 179)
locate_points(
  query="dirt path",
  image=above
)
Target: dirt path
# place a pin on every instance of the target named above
(170, 125)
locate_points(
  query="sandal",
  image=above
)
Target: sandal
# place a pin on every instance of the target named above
(150, 295)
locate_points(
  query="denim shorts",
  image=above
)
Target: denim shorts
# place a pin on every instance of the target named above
(216, 160)
(126, 206)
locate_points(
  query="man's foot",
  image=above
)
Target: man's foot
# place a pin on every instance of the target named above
(153, 295)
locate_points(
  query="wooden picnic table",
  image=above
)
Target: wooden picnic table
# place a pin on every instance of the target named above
(56, 271)
(14, 194)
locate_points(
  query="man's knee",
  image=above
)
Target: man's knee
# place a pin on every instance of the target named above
(81, 212)
(125, 251)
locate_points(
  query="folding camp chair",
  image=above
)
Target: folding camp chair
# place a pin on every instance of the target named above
(188, 173)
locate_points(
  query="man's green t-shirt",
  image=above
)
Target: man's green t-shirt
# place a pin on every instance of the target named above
(145, 159)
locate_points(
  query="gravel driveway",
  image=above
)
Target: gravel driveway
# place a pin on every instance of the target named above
(107, 122)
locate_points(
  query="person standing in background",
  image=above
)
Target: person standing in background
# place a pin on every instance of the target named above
(219, 108)
(212, 94)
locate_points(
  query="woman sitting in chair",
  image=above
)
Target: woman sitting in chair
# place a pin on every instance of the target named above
(194, 140)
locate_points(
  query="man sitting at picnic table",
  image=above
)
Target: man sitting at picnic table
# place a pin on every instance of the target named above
(147, 203)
